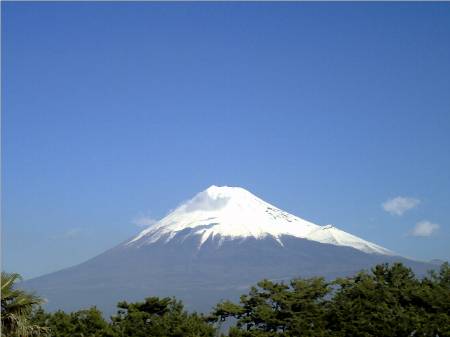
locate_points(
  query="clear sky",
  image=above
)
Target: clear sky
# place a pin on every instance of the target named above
(117, 112)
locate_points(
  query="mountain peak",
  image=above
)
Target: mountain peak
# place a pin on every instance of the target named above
(214, 190)
(227, 192)
(215, 198)
(226, 213)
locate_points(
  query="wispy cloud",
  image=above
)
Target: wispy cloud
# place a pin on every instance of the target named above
(399, 205)
(424, 228)
(205, 202)
(144, 221)
(71, 233)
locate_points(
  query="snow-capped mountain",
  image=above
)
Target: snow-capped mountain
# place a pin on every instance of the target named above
(213, 247)
(230, 213)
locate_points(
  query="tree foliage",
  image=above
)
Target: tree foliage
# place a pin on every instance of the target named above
(154, 317)
(82, 323)
(273, 309)
(388, 301)
(17, 306)
(164, 317)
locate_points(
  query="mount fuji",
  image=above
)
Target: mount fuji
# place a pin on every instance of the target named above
(213, 247)
(229, 213)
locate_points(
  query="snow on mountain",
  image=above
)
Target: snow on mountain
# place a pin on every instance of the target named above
(227, 213)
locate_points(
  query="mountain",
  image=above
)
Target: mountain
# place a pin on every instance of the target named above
(230, 213)
(212, 247)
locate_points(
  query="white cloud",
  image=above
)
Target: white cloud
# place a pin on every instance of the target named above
(144, 221)
(72, 233)
(399, 205)
(424, 228)
(205, 202)
(69, 234)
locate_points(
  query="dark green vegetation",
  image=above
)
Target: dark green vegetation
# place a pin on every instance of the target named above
(388, 301)
(17, 307)
(153, 317)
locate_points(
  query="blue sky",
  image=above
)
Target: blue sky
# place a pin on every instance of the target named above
(113, 112)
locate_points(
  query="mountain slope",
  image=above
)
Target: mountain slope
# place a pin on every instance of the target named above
(213, 247)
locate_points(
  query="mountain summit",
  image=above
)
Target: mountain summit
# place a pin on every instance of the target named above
(227, 213)
(213, 247)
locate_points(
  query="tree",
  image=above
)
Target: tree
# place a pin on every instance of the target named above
(153, 317)
(388, 301)
(277, 309)
(17, 306)
(82, 323)
(391, 301)
(433, 303)
(157, 317)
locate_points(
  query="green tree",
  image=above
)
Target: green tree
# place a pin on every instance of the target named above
(17, 306)
(82, 323)
(277, 309)
(391, 301)
(388, 301)
(433, 303)
(157, 317)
